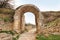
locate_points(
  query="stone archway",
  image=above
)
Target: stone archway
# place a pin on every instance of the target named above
(20, 12)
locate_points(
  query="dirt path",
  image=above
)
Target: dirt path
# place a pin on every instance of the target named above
(28, 36)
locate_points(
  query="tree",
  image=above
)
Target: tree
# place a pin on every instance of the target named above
(5, 4)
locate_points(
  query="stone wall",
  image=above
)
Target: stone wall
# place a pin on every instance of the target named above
(50, 15)
(52, 27)
(6, 26)
(4, 22)
(23, 24)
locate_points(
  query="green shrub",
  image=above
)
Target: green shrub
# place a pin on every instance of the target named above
(50, 37)
(16, 38)
(1, 18)
(6, 11)
(8, 32)
(6, 19)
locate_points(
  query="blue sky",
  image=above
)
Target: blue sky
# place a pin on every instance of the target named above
(29, 18)
(43, 5)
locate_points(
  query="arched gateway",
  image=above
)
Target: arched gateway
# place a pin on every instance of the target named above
(20, 12)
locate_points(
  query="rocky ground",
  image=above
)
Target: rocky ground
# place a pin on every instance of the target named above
(4, 36)
(52, 27)
(8, 35)
(28, 35)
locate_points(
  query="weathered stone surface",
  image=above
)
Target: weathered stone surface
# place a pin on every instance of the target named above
(50, 15)
(5, 26)
(4, 36)
(18, 24)
(51, 30)
(23, 23)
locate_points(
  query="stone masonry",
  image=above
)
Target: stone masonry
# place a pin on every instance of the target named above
(18, 22)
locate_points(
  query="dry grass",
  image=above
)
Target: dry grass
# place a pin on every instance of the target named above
(54, 23)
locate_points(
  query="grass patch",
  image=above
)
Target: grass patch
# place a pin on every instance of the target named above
(7, 19)
(8, 32)
(16, 38)
(50, 37)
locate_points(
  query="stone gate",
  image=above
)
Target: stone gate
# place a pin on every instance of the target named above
(18, 22)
